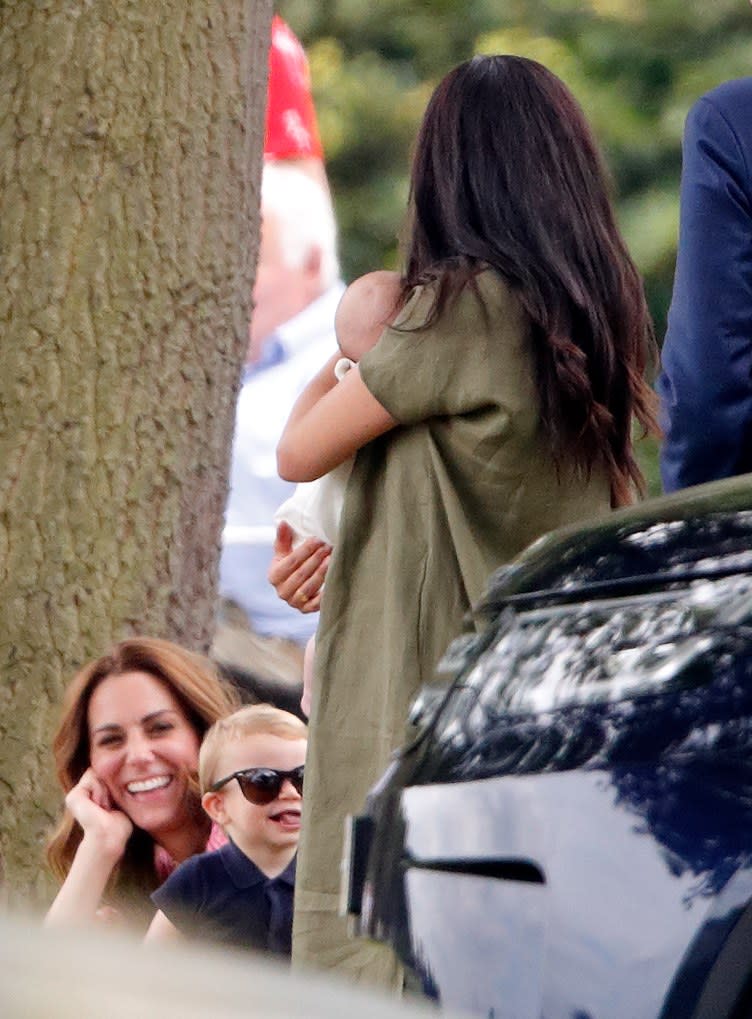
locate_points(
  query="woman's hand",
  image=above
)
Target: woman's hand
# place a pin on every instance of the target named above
(106, 832)
(102, 822)
(298, 575)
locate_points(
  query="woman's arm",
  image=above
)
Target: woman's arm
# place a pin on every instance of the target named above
(106, 832)
(329, 422)
(78, 899)
(162, 929)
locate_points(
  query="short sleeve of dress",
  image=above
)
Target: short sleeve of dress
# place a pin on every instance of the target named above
(419, 372)
(180, 896)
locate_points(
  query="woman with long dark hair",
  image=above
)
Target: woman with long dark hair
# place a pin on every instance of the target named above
(498, 406)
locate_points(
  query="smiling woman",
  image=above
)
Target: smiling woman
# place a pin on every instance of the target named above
(126, 752)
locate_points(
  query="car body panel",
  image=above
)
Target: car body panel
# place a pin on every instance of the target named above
(568, 835)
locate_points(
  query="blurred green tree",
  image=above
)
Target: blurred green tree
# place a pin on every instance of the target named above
(635, 65)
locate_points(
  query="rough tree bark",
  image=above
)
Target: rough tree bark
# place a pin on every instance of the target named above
(131, 135)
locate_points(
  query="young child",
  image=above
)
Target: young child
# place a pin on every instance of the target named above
(313, 511)
(367, 306)
(251, 776)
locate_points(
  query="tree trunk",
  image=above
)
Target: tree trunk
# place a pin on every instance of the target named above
(131, 138)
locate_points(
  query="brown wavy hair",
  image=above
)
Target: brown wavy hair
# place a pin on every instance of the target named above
(203, 696)
(507, 175)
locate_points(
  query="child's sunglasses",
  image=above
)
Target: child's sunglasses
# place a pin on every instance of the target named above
(262, 785)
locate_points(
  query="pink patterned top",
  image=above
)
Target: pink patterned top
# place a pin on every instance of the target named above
(164, 863)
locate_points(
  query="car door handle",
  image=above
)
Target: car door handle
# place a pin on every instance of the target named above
(502, 869)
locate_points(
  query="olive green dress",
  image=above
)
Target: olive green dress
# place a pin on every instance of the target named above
(462, 485)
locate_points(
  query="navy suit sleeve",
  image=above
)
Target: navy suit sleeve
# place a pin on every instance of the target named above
(705, 385)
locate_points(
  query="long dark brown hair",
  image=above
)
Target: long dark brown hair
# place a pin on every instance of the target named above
(507, 175)
(204, 698)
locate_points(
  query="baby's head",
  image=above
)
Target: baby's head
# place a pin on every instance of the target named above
(251, 774)
(367, 306)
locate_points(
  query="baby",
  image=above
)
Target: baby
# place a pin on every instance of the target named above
(367, 306)
(251, 775)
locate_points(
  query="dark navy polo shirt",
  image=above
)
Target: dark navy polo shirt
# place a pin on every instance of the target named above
(223, 896)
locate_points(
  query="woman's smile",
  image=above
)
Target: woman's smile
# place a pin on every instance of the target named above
(148, 785)
(145, 751)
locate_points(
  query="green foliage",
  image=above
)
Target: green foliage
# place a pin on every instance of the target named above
(635, 65)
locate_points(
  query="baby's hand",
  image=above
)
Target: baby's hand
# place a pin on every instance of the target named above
(298, 574)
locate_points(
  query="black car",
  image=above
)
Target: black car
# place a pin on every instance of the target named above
(569, 835)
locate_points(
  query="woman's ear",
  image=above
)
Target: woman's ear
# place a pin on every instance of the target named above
(214, 805)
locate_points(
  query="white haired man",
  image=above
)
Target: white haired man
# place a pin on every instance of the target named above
(291, 334)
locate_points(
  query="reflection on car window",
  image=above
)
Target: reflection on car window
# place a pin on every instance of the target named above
(607, 649)
(604, 651)
(713, 542)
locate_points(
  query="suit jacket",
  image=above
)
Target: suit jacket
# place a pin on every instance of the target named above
(705, 385)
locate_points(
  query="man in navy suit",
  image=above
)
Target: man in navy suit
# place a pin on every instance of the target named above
(705, 386)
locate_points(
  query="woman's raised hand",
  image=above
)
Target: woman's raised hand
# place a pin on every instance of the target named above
(298, 574)
(92, 807)
(106, 832)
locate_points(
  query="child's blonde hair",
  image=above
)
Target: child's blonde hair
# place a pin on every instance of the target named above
(252, 720)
